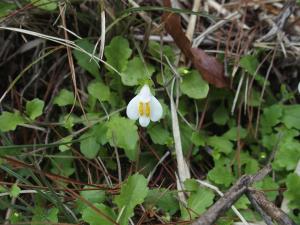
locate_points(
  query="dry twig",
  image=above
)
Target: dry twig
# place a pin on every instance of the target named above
(270, 208)
(230, 197)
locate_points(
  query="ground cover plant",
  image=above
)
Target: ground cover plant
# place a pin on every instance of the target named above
(146, 112)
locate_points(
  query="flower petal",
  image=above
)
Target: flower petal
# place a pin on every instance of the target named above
(156, 109)
(132, 109)
(144, 121)
(145, 94)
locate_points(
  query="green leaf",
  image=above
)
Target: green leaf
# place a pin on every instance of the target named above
(100, 131)
(234, 132)
(198, 139)
(15, 191)
(185, 133)
(6, 8)
(99, 91)
(220, 144)
(191, 185)
(159, 135)
(85, 61)
(288, 153)
(65, 147)
(268, 184)
(155, 50)
(269, 141)
(164, 199)
(220, 116)
(62, 164)
(292, 193)
(254, 98)
(200, 198)
(136, 72)
(133, 192)
(48, 5)
(291, 116)
(93, 218)
(93, 196)
(249, 63)
(42, 215)
(287, 157)
(89, 146)
(221, 175)
(165, 76)
(194, 86)
(225, 221)
(34, 108)
(9, 121)
(272, 115)
(117, 53)
(197, 203)
(252, 166)
(65, 97)
(68, 121)
(242, 203)
(53, 215)
(16, 217)
(122, 133)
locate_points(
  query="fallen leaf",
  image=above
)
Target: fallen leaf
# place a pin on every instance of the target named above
(173, 27)
(209, 67)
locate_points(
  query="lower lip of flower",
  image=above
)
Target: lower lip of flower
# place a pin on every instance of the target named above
(144, 109)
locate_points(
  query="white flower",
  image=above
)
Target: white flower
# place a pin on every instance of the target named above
(144, 107)
(299, 87)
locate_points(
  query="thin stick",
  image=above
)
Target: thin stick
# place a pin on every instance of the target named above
(270, 208)
(216, 189)
(159, 162)
(193, 19)
(230, 197)
(265, 217)
(71, 64)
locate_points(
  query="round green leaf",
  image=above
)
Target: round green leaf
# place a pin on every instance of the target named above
(122, 133)
(220, 116)
(198, 139)
(137, 72)
(89, 146)
(65, 97)
(99, 91)
(221, 175)
(117, 53)
(15, 191)
(93, 218)
(34, 108)
(133, 192)
(84, 60)
(9, 121)
(159, 135)
(194, 86)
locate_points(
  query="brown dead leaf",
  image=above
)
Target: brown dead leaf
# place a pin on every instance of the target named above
(209, 67)
(173, 27)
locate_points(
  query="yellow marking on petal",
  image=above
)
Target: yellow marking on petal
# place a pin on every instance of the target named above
(148, 110)
(141, 109)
